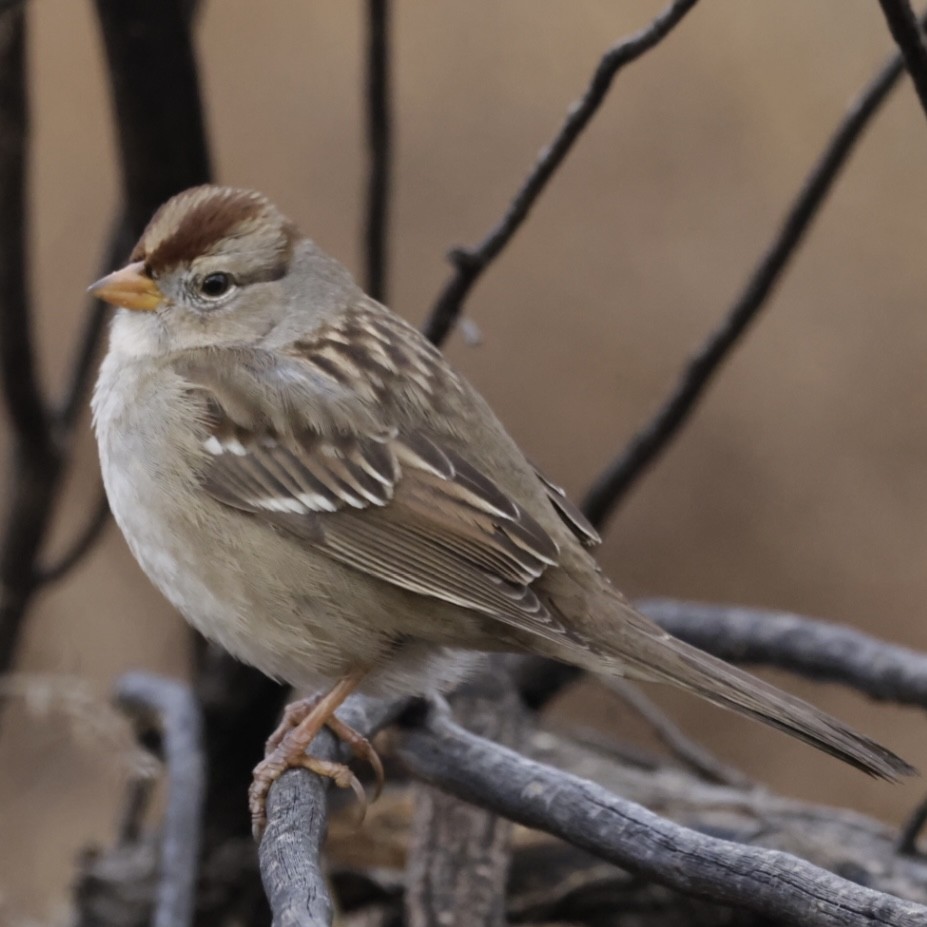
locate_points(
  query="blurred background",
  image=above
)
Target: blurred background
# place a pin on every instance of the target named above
(798, 485)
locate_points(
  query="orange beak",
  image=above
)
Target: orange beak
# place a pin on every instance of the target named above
(130, 287)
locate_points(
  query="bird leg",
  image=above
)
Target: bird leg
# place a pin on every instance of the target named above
(286, 748)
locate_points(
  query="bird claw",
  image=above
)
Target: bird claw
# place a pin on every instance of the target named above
(285, 750)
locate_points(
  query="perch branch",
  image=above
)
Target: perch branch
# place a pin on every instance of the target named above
(906, 32)
(552, 881)
(296, 820)
(471, 263)
(379, 144)
(172, 707)
(612, 485)
(768, 882)
(818, 649)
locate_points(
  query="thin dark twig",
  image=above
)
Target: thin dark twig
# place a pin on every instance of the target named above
(21, 391)
(86, 538)
(36, 460)
(379, 143)
(911, 830)
(173, 708)
(691, 754)
(127, 227)
(471, 263)
(153, 77)
(612, 486)
(906, 32)
(769, 882)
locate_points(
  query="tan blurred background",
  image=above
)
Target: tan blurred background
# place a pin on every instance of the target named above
(800, 484)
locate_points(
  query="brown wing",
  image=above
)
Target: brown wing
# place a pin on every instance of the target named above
(398, 507)
(571, 515)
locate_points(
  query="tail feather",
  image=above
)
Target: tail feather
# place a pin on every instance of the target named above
(638, 648)
(729, 687)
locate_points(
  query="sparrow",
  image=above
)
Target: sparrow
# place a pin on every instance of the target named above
(310, 483)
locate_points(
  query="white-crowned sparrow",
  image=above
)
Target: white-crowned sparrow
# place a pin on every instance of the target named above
(307, 480)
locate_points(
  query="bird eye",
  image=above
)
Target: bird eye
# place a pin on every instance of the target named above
(215, 285)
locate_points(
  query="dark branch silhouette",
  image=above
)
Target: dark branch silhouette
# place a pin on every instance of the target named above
(86, 538)
(471, 263)
(160, 129)
(906, 32)
(379, 144)
(35, 459)
(22, 393)
(612, 486)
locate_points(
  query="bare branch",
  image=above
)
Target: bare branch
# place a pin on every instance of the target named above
(687, 751)
(911, 830)
(172, 707)
(471, 263)
(162, 139)
(157, 96)
(902, 24)
(771, 883)
(22, 393)
(459, 855)
(86, 538)
(296, 820)
(686, 861)
(36, 461)
(144, 181)
(379, 142)
(612, 485)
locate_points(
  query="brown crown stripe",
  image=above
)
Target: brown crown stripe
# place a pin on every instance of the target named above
(205, 223)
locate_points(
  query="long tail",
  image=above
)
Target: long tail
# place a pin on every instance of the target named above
(644, 651)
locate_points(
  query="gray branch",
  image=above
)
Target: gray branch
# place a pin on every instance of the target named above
(296, 820)
(172, 708)
(459, 854)
(769, 882)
